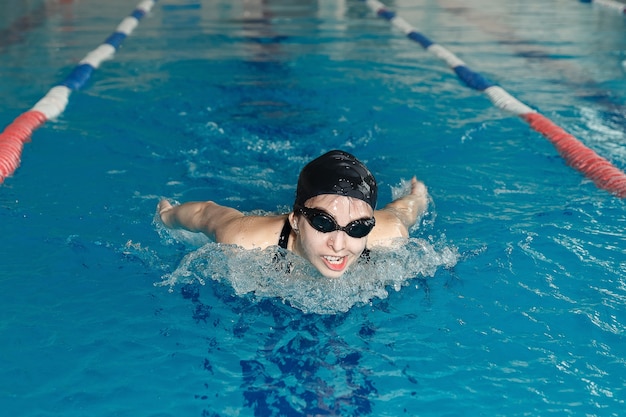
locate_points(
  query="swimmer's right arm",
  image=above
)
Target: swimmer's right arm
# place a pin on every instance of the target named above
(206, 217)
(396, 218)
(409, 207)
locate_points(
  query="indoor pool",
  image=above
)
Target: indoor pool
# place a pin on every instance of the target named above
(509, 298)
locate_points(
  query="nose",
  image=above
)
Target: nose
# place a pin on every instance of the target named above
(337, 240)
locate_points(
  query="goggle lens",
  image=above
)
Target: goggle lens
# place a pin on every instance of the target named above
(325, 223)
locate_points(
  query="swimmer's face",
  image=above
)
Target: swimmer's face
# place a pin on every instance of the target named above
(333, 252)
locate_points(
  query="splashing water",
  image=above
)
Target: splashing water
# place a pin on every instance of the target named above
(275, 273)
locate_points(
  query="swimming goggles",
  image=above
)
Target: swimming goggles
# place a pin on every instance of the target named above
(325, 223)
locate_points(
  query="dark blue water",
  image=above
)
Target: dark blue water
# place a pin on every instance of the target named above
(510, 300)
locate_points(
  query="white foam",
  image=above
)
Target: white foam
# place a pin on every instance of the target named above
(274, 273)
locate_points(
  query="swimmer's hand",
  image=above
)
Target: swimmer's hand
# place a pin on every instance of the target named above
(411, 206)
(418, 187)
(165, 210)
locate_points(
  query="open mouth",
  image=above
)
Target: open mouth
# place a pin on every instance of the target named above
(336, 263)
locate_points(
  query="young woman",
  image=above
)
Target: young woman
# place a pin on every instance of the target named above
(333, 223)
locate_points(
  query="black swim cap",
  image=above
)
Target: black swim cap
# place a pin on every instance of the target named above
(336, 172)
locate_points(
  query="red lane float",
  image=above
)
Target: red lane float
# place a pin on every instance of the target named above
(14, 136)
(578, 156)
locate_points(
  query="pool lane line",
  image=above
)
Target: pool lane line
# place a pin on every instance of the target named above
(568, 74)
(14, 136)
(604, 174)
(615, 5)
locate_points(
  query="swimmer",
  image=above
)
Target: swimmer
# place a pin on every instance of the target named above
(334, 220)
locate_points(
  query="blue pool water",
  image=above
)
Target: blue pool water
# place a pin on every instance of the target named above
(510, 299)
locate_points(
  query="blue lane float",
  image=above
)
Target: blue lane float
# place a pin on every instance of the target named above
(53, 104)
(574, 152)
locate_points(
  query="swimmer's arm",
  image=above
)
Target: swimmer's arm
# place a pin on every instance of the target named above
(223, 224)
(396, 218)
(206, 217)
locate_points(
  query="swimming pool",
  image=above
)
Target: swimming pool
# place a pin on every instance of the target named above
(518, 306)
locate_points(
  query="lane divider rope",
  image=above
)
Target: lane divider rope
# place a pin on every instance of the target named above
(576, 154)
(611, 4)
(14, 136)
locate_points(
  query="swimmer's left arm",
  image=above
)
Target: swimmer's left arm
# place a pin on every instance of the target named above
(396, 218)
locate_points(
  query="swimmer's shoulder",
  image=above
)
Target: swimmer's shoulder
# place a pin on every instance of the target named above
(254, 232)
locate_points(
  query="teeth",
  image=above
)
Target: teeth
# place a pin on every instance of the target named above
(334, 259)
